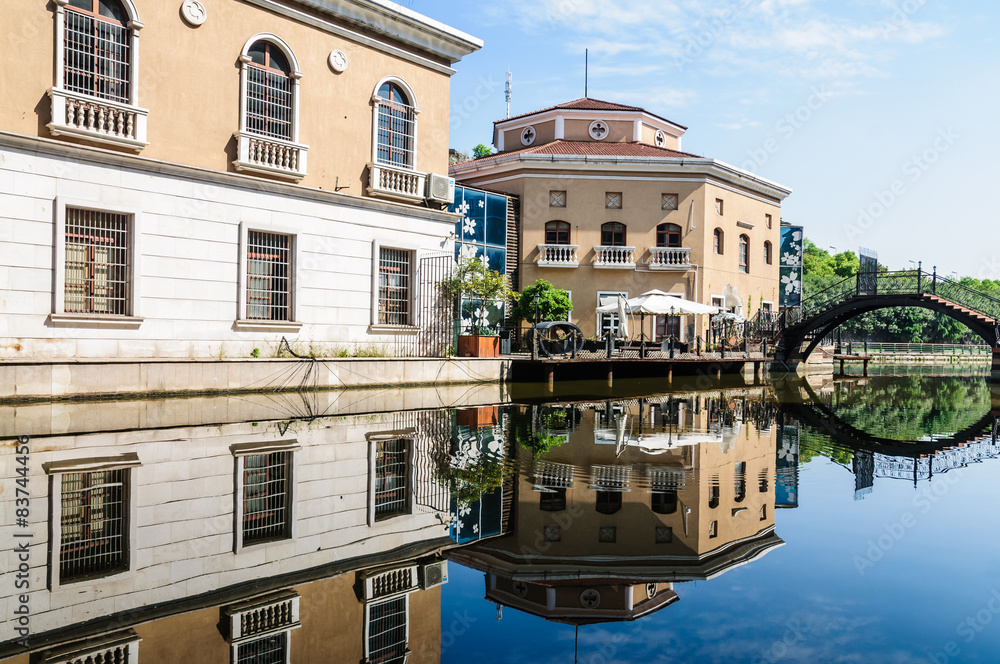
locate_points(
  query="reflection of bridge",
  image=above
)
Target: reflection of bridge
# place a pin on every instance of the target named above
(903, 468)
(800, 331)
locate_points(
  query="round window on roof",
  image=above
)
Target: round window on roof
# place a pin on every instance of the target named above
(528, 136)
(599, 130)
(660, 139)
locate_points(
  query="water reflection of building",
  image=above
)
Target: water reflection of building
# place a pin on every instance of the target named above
(639, 496)
(221, 533)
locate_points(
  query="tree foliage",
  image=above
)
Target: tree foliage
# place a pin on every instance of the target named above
(553, 303)
(481, 151)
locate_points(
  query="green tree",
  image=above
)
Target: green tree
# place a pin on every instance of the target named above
(553, 304)
(475, 280)
(481, 151)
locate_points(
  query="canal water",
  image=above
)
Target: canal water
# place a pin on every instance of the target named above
(804, 520)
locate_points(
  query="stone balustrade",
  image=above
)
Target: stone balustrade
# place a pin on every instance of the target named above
(558, 255)
(615, 257)
(97, 119)
(271, 156)
(394, 182)
(669, 258)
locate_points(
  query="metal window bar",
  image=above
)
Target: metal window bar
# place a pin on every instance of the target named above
(394, 287)
(265, 496)
(93, 528)
(396, 123)
(387, 631)
(97, 57)
(269, 103)
(268, 276)
(267, 650)
(97, 263)
(391, 472)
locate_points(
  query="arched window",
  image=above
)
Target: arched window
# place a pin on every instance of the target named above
(95, 91)
(396, 125)
(744, 253)
(557, 232)
(719, 245)
(668, 235)
(268, 91)
(609, 502)
(613, 234)
(767, 253)
(269, 123)
(664, 502)
(97, 50)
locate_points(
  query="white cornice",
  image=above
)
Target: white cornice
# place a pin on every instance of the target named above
(113, 159)
(550, 115)
(402, 24)
(429, 40)
(583, 166)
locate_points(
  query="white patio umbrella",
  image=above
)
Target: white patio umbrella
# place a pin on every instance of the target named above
(622, 306)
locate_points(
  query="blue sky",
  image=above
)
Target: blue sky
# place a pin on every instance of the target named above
(879, 114)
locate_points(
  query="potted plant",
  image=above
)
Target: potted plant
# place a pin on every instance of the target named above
(475, 280)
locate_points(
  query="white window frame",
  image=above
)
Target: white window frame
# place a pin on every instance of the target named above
(60, 124)
(233, 616)
(410, 436)
(55, 470)
(415, 256)
(240, 452)
(600, 317)
(569, 316)
(59, 317)
(718, 301)
(245, 161)
(244, 324)
(367, 630)
(767, 305)
(376, 102)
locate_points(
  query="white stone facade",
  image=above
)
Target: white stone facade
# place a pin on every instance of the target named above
(188, 235)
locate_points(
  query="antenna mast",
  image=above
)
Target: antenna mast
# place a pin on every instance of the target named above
(508, 90)
(586, 72)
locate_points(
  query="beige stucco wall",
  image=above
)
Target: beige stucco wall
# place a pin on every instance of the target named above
(190, 82)
(545, 133)
(641, 213)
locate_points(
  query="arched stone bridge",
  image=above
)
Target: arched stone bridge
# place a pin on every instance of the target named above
(797, 333)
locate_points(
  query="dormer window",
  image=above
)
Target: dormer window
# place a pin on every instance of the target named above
(94, 96)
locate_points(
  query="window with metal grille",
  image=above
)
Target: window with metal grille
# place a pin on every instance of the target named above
(557, 232)
(271, 649)
(613, 234)
(97, 262)
(268, 276)
(668, 235)
(744, 253)
(97, 50)
(396, 127)
(93, 524)
(269, 92)
(392, 495)
(394, 287)
(387, 631)
(266, 491)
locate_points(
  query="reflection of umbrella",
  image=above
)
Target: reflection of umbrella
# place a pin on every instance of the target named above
(728, 316)
(620, 424)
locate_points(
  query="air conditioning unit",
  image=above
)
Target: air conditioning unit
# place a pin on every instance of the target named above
(440, 188)
(434, 574)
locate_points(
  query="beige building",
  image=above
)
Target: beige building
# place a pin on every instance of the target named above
(200, 178)
(610, 204)
(642, 495)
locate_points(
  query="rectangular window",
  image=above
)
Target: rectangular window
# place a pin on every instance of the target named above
(93, 524)
(557, 199)
(98, 269)
(767, 220)
(268, 276)
(387, 631)
(269, 103)
(613, 200)
(719, 205)
(394, 287)
(396, 129)
(270, 649)
(392, 465)
(669, 202)
(763, 512)
(266, 497)
(713, 529)
(718, 301)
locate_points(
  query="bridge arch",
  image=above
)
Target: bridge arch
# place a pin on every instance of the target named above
(798, 341)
